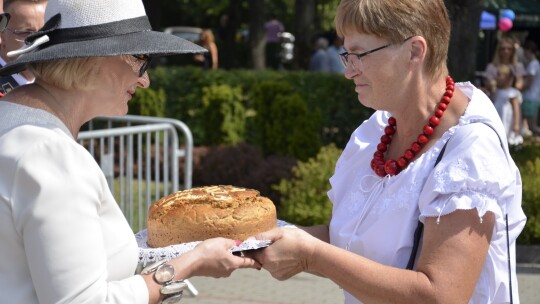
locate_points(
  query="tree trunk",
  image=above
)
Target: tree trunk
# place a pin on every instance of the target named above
(465, 18)
(257, 39)
(304, 31)
(228, 52)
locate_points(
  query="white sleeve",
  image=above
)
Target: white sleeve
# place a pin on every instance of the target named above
(57, 194)
(466, 178)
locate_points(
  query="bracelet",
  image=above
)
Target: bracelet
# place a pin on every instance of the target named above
(172, 291)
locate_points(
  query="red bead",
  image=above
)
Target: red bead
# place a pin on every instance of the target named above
(442, 106)
(382, 147)
(409, 154)
(428, 130)
(388, 130)
(449, 93)
(392, 121)
(380, 171)
(450, 87)
(439, 113)
(422, 139)
(434, 121)
(386, 139)
(378, 154)
(402, 162)
(376, 162)
(391, 167)
(415, 147)
(445, 99)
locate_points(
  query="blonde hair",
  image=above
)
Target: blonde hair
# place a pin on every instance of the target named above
(513, 59)
(399, 20)
(207, 36)
(67, 74)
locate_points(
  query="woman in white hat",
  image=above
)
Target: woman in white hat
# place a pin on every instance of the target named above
(64, 239)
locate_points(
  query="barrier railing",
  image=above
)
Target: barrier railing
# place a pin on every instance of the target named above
(141, 158)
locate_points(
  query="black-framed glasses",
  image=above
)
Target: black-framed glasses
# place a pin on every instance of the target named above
(4, 20)
(145, 59)
(355, 61)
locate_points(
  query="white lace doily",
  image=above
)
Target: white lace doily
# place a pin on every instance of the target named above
(148, 254)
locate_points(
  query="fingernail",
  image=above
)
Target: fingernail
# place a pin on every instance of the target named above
(238, 242)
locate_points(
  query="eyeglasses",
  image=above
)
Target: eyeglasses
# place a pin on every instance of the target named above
(145, 59)
(355, 61)
(20, 34)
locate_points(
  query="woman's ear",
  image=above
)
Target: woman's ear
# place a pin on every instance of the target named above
(418, 49)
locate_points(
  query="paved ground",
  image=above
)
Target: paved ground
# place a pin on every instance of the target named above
(258, 287)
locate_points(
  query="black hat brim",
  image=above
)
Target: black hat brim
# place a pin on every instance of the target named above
(151, 43)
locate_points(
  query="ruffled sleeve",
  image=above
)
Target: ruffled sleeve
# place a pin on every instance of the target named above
(465, 178)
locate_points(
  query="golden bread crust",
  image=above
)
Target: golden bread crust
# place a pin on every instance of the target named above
(201, 213)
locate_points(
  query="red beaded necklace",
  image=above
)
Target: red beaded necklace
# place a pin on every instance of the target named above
(393, 167)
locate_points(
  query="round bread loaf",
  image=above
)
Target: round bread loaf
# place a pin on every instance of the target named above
(201, 213)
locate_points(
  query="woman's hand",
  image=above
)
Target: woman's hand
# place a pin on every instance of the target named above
(290, 253)
(212, 258)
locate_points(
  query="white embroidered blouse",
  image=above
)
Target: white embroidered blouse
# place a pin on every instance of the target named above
(376, 217)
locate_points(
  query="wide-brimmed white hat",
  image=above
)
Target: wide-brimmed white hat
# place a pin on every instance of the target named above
(95, 28)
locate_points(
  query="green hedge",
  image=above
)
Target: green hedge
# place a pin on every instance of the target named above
(325, 107)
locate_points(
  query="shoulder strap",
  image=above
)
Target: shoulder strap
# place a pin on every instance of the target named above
(420, 227)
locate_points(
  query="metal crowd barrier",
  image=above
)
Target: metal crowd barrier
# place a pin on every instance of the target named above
(141, 158)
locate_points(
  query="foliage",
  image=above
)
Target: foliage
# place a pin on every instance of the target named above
(243, 165)
(531, 202)
(283, 124)
(148, 102)
(329, 99)
(304, 200)
(527, 158)
(223, 114)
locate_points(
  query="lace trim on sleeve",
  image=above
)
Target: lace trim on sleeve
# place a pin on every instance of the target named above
(466, 200)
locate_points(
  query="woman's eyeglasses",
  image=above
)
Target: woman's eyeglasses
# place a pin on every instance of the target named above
(21, 35)
(145, 59)
(355, 60)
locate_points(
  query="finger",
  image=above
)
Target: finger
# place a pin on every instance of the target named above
(245, 262)
(272, 235)
(256, 255)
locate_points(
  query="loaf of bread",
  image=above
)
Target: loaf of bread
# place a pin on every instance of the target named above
(201, 213)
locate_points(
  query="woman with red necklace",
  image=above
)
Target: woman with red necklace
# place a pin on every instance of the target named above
(426, 198)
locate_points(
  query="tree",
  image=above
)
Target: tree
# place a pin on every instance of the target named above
(256, 33)
(465, 20)
(304, 29)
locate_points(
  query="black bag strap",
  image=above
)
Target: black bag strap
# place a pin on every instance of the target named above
(420, 228)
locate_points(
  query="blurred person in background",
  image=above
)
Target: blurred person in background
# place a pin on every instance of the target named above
(336, 48)
(320, 59)
(504, 80)
(273, 28)
(531, 87)
(26, 18)
(208, 60)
